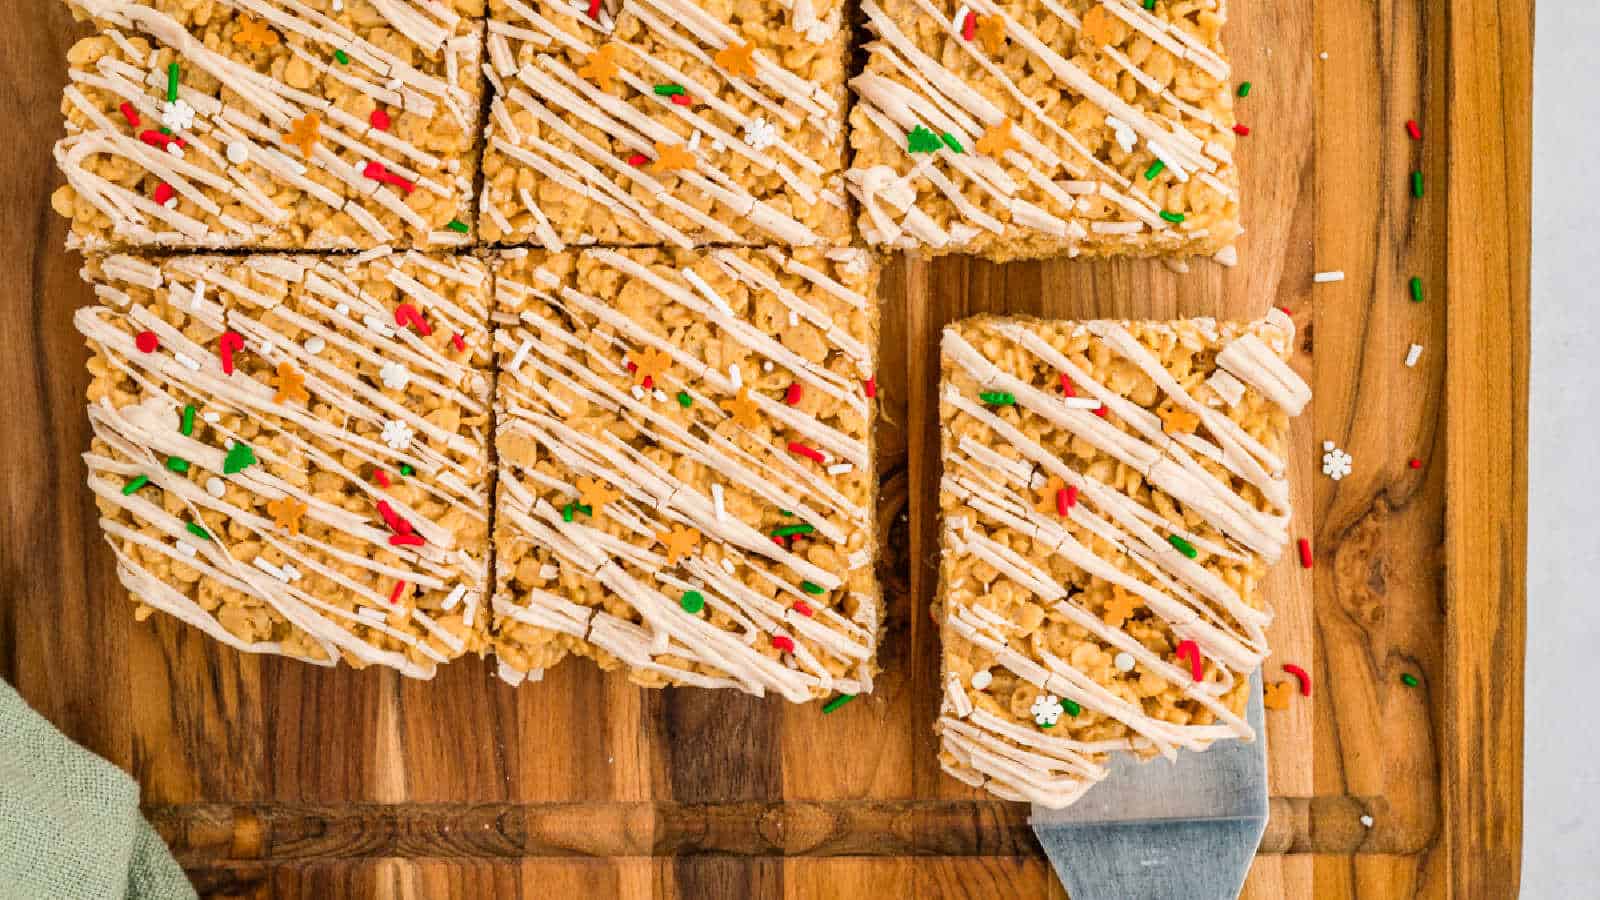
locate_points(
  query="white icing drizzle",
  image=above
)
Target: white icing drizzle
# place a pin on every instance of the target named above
(548, 362)
(1192, 602)
(143, 435)
(254, 157)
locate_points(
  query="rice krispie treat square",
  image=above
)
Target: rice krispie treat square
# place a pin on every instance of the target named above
(665, 122)
(1112, 495)
(1037, 128)
(686, 472)
(288, 124)
(291, 453)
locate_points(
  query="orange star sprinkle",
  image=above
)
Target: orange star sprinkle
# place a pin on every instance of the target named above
(254, 32)
(601, 67)
(680, 542)
(1177, 420)
(286, 513)
(595, 494)
(303, 133)
(736, 59)
(1047, 495)
(649, 364)
(997, 140)
(1120, 608)
(744, 410)
(1277, 694)
(672, 156)
(290, 385)
(992, 33)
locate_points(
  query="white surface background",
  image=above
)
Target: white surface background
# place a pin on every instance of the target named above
(1561, 835)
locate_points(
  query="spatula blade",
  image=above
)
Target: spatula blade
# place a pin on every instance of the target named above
(1185, 830)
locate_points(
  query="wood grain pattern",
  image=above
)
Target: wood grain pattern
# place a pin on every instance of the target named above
(274, 779)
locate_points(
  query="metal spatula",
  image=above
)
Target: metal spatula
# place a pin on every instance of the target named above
(1185, 830)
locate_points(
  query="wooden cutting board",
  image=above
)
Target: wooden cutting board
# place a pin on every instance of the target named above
(272, 778)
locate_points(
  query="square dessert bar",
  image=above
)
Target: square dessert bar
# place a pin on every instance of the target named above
(686, 475)
(1046, 128)
(284, 124)
(665, 122)
(1112, 495)
(291, 453)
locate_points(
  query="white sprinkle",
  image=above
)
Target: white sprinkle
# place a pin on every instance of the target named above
(794, 318)
(1124, 661)
(377, 326)
(548, 571)
(454, 597)
(269, 568)
(841, 469)
(733, 376)
(1412, 355)
(338, 6)
(238, 153)
(212, 418)
(638, 392)
(1327, 277)
(1328, 445)
(342, 309)
(1082, 403)
(172, 203)
(175, 150)
(766, 366)
(186, 548)
(521, 356)
(215, 487)
(694, 139)
(186, 362)
(716, 500)
(315, 344)
(660, 395)
(228, 442)
(1322, 55)
(199, 294)
(727, 565)
(394, 376)
(266, 348)
(290, 573)
(981, 679)
(1366, 821)
(718, 146)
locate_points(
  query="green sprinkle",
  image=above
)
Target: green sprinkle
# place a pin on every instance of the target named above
(342, 57)
(186, 427)
(177, 464)
(1416, 290)
(458, 226)
(837, 702)
(1244, 89)
(668, 90)
(951, 142)
(692, 602)
(1184, 547)
(406, 470)
(197, 531)
(997, 398)
(786, 530)
(585, 508)
(1042, 725)
(684, 400)
(1149, 4)
(785, 512)
(239, 458)
(1156, 168)
(921, 140)
(1416, 184)
(134, 483)
(1408, 679)
(566, 513)
(1172, 217)
(810, 588)
(165, 130)
(1072, 708)
(172, 81)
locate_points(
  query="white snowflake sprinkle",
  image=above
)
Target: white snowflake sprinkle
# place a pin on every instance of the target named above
(1046, 710)
(177, 115)
(396, 434)
(1366, 821)
(759, 133)
(394, 376)
(1336, 463)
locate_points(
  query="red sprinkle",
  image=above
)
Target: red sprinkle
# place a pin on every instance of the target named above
(1241, 129)
(129, 113)
(1072, 496)
(1101, 411)
(1062, 502)
(810, 453)
(1415, 463)
(779, 541)
(396, 522)
(459, 341)
(146, 341)
(394, 595)
(381, 477)
(804, 608)
(1305, 553)
(1285, 310)
(1299, 673)
(157, 139)
(1066, 386)
(1192, 650)
(871, 387)
(783, 642)
(1413, 129)
(228, 344)
(969, 26)
(638, 159)
(594, 9)
(406, 314)
(164, 193)
(377, 172)
(683, 99)
(792, 395)
(380, 119)
(406, 540)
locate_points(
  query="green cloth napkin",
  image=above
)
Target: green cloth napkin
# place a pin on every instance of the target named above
(70, 826)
